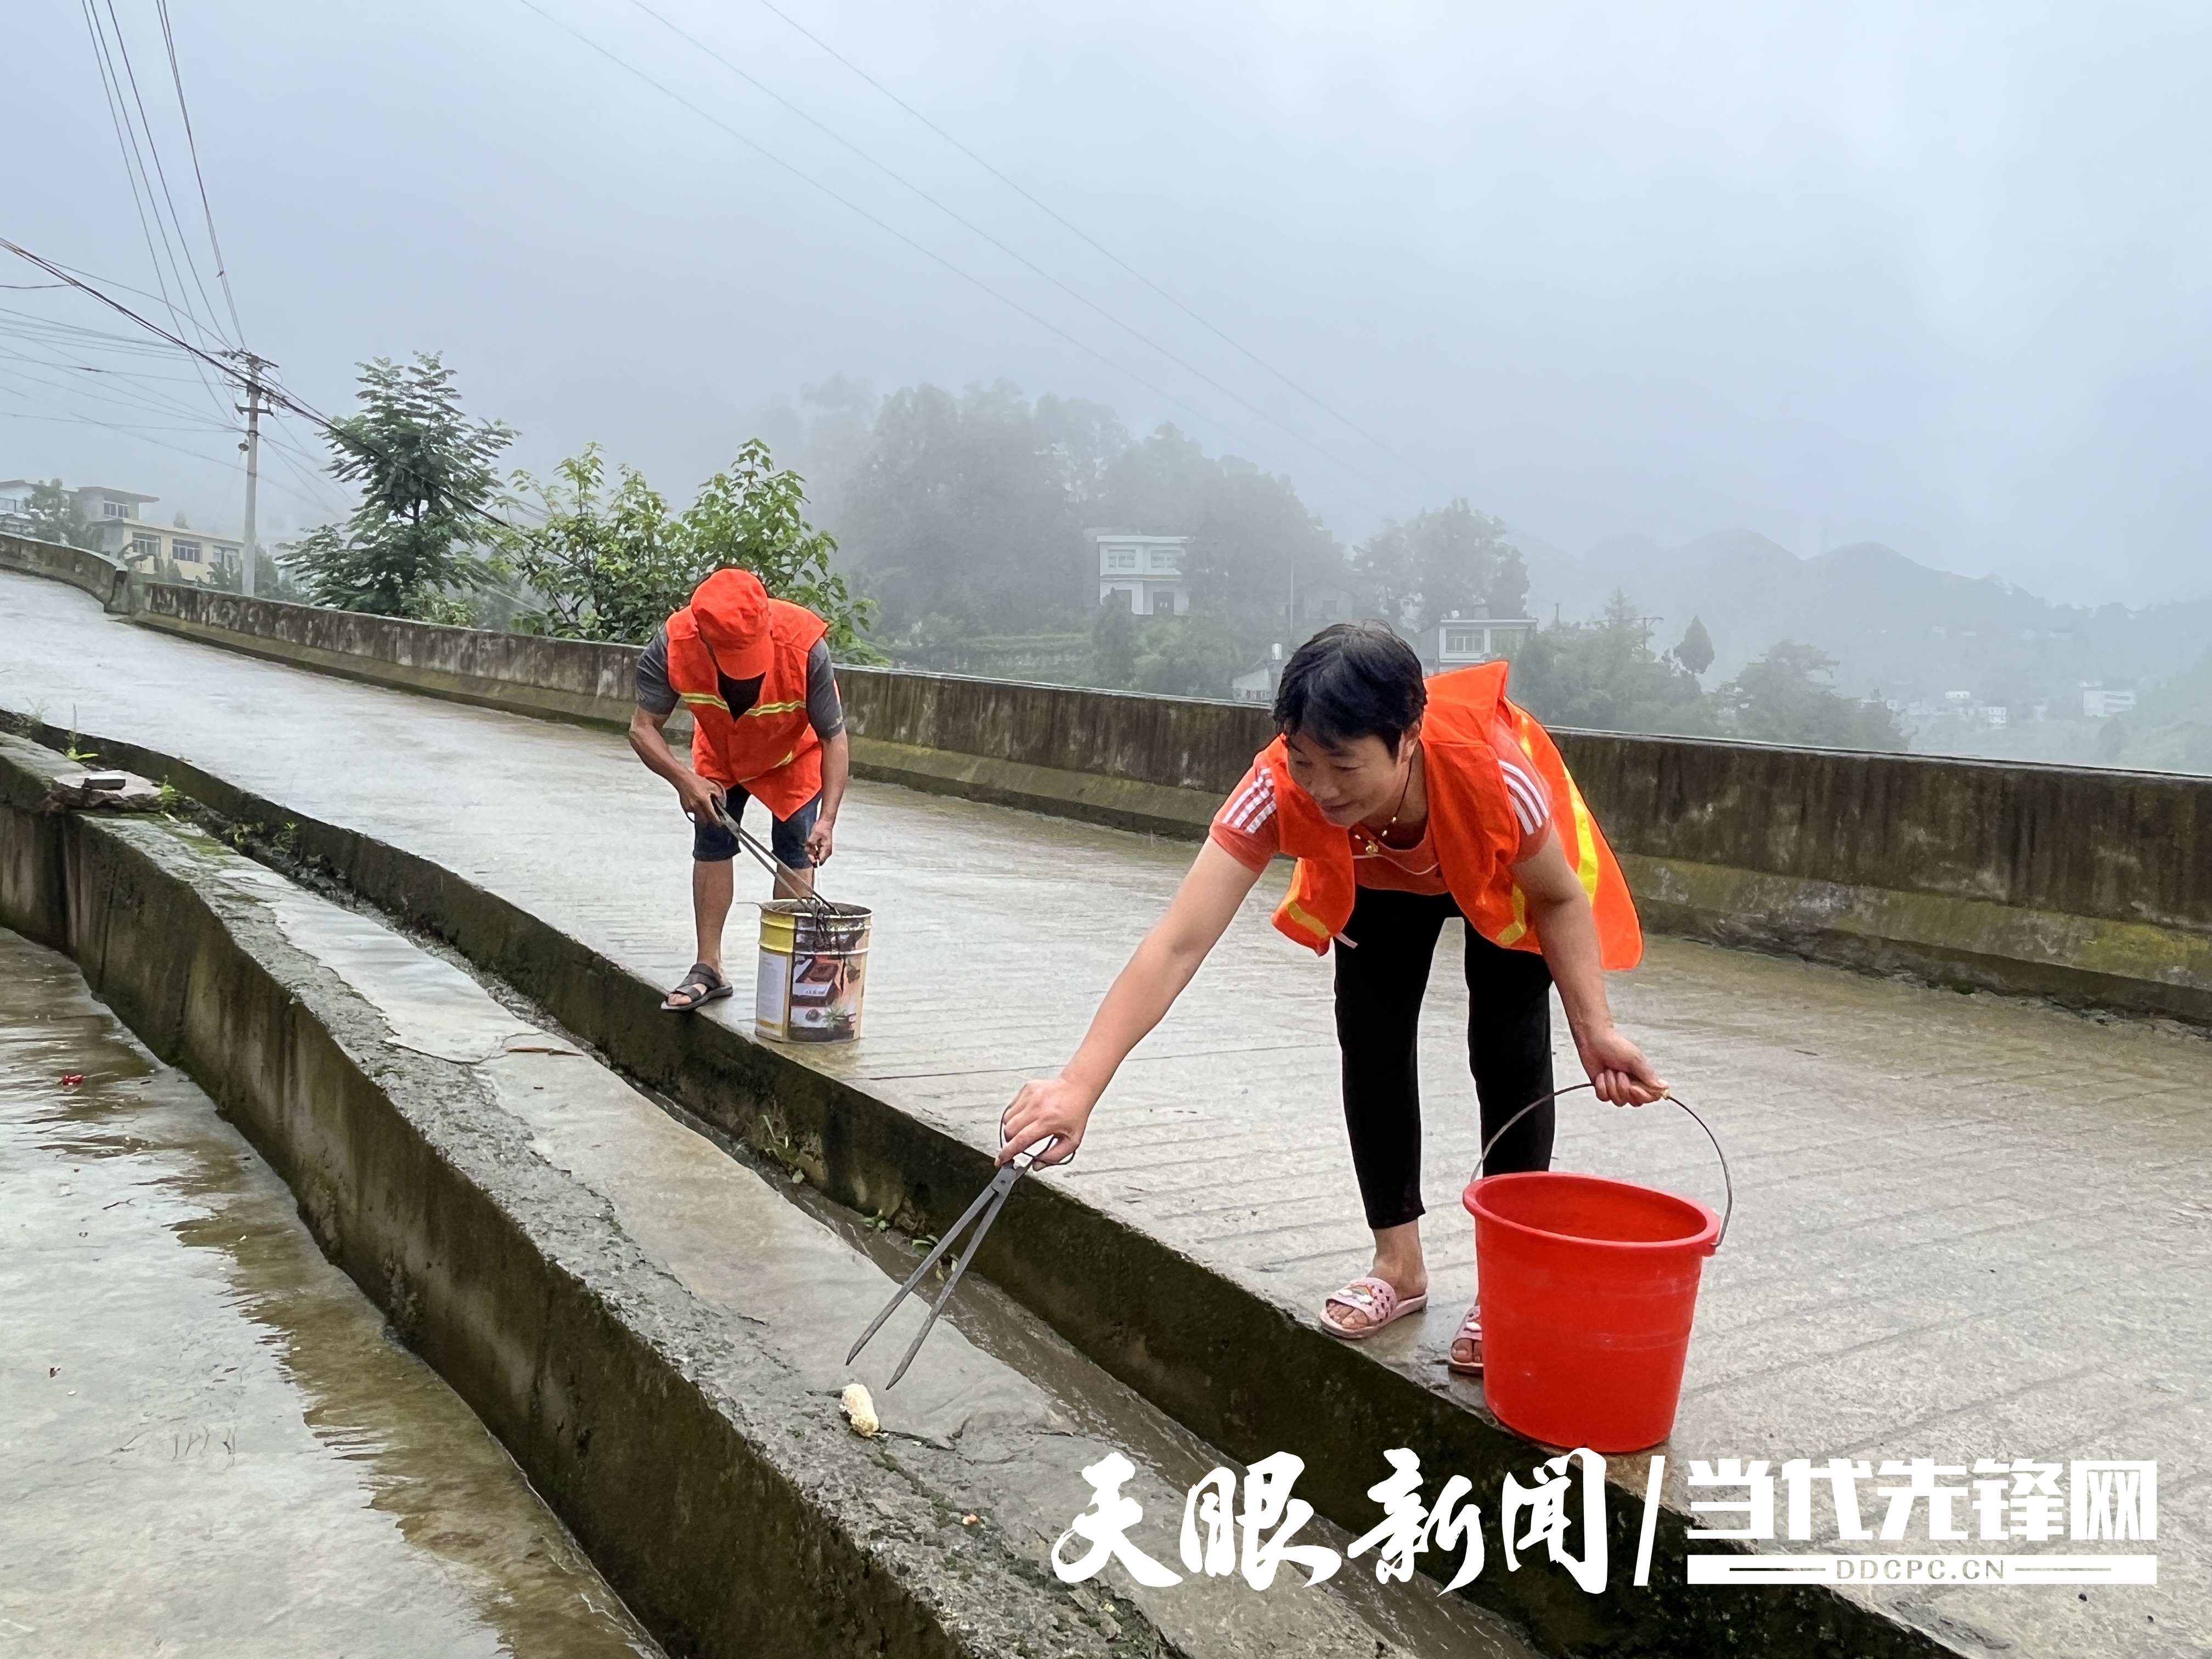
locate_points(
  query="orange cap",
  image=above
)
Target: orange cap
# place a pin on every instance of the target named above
(731, 607)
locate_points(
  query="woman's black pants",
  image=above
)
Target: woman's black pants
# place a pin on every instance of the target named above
(1380, 980)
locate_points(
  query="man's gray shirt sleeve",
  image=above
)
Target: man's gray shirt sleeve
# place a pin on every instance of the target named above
(825, 710)
(654, 693)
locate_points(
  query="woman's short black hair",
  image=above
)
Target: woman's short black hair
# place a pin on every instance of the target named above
(1350, 681)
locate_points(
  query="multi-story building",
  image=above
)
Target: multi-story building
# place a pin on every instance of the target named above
(1149, 571)
(124, 535)
(1458, 641)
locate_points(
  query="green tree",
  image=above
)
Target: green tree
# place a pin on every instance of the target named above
(1446, 559)
(427, 485)
(2170, 727)
(1252, 540)
(1782, 698)
(605, 566)
(1187, 656)
(1114, 643)
(973, 507)
(54, 516)
(615, 566)
(753, 516)
(1604, 676)
(1695, 651)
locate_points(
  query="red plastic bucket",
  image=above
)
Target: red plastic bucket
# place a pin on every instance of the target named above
(1589, 1287)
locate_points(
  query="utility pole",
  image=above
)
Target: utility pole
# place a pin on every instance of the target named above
(251, 410)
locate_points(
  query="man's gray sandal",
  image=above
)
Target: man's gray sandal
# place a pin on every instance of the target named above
(702, 985)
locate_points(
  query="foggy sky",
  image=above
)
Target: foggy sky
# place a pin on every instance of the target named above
(1933, 275)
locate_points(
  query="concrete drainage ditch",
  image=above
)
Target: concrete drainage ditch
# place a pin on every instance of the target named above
(651, 1326)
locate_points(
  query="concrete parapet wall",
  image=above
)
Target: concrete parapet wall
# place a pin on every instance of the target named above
(2083, 885)
(569, 679)
(96, 575)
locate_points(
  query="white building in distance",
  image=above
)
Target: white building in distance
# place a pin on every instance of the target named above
(1459, 641)
(1149, 571)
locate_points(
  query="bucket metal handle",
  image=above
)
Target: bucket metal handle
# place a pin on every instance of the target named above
(1727, 1181)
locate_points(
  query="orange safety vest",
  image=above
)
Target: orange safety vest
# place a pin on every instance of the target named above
(1471, 824)
(770, 751)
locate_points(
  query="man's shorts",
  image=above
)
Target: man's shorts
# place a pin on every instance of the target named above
(712, 844)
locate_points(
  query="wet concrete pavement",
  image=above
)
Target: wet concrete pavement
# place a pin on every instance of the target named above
(208, 1444)
(1966, 1228)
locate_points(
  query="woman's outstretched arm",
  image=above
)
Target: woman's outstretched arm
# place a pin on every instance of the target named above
(1058, 1108)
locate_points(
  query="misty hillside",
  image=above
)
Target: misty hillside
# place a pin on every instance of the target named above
(1895, 626)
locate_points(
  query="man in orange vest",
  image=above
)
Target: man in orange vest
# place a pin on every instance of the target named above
(1405, 803)
(767, 722)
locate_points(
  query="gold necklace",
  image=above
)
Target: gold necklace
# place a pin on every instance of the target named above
(1377, 839)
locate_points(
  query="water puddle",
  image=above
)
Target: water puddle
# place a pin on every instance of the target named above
(208, 1443)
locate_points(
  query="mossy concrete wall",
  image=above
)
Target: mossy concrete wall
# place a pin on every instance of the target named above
(2086, 886)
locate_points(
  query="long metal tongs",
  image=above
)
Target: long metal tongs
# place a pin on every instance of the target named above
(814, 901)
(987, 1204)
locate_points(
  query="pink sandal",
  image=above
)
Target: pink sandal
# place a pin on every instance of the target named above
(1377, 1299)
(1470, 1329)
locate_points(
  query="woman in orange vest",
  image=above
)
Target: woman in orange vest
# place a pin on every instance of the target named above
(766, 722)
(1405, 803)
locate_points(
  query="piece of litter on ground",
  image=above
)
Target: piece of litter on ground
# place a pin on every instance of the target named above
(70, 1079)
(969, 1520)
(860, 1410)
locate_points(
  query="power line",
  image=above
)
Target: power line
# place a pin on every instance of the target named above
(87, 420)
(1084, 236)
(161, 172)
(135, 171)
(277, 395)
(126, 144)
(139, 434)
(192, 143)
(1014, 254)
(154, 402)
(888, 229)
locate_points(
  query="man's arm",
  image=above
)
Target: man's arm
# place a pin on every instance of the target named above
(1561, 912)
(825, 712)
(648, 739)
(837, 768)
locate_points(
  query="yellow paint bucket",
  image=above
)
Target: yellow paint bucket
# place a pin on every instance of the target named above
(813, 971)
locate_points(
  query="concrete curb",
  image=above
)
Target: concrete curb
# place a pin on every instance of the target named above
(725, 1503)
(1241, 1372)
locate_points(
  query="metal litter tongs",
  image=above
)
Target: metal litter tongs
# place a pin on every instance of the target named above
(987, 1204)
(823, 910)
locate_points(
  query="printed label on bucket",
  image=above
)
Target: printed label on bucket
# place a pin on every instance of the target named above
(825, 1003)
(772, 992)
